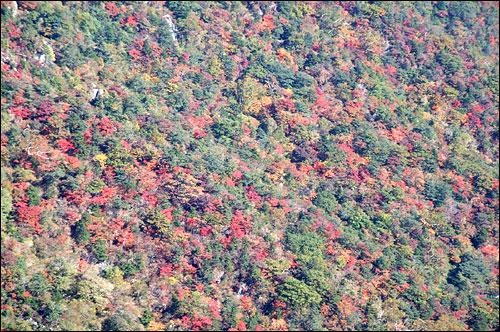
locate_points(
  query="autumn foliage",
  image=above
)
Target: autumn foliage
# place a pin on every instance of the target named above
(184, 165)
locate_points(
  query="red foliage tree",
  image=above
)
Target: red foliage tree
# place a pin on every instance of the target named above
(45, 110)
(65, 145)
(106, 126)
(113, 10)
(240, 224)
(29, 215)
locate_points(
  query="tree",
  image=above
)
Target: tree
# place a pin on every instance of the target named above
(437, 192)
(122, 321)
(33, 193)
(146, 318)
(325, 200)
(471, 271)
(99, 250)
(480, 237)
(6, 200)
(297, 293)
(444, 323)
(354, 216)
(482, 320)
(80, 232)
(39, 286)
(226, 129)
(132, 267)
(451, 63)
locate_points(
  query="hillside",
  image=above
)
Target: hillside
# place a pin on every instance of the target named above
(172, 165)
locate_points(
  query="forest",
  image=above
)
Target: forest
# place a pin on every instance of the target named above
(249, 165)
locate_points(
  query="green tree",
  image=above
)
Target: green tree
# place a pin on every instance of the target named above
(325, 200)
(354, 216)
(33, 193)
(80, 232)
(482, 320)
(38, 285)
(122, 321)
(480, 237)
(132, 267)
(472, 270)
(99, 250)
(6, 203)
(146, 318)
(297, 293)
(437, 192)
(451, 63)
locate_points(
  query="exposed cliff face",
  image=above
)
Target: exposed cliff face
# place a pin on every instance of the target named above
(171, 25)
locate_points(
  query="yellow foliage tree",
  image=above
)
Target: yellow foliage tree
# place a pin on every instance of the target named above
(278, 325)
(101, 158)
(156, 326)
